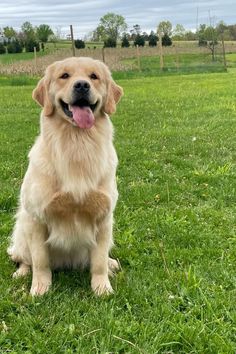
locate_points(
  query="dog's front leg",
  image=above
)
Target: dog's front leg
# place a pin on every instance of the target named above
(99, 257)
(42, 275)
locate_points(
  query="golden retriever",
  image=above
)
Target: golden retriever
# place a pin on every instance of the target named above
(69, 190)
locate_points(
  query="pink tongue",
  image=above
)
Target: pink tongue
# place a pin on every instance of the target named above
(83, 117)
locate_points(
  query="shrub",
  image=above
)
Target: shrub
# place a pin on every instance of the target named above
(79, 44)
(125, 42)
(14, 47)
(202, 42)
(2, 49)
(30, 44)
(166, 40)
(139, 40)
(152, 39)
(110, 43)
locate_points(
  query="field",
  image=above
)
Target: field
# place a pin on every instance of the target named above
(174, 229)
(179, 58)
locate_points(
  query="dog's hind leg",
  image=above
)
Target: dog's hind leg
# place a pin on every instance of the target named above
(22, 271)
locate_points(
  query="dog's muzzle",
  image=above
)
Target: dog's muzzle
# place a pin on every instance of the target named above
(80, 109)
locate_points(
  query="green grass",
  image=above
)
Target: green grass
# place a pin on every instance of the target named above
(176, 63)
(174, 229)
(14, 57)
(231, 60)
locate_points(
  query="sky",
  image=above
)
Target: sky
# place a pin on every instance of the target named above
(84, 15)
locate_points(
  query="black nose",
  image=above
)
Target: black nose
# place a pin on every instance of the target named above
(82, 86)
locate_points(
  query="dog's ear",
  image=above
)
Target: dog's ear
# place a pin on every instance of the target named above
(41, 96)
(114, 94)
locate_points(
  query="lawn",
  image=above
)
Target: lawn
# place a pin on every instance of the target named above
(174, 229)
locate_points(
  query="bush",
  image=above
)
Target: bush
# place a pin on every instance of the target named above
(202, 42)
(110, 43)
(166, 40)
(30, 44)
(139, 40)
(2, 49)
(14, 47)
(125, 42)
(152, 39)
(79, 44)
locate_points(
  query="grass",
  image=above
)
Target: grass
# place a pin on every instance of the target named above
(14, 57)
(174, 229)
(176, 63)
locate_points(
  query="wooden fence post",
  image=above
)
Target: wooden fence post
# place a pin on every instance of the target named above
(35, 57)
(161, 52)
(138, 57)
(103, 55)
(72, 40)
(223, 50)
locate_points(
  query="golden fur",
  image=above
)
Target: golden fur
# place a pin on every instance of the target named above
(69, 190)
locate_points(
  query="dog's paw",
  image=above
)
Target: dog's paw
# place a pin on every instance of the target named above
(39, 288)
(101, 285)
(22, 271)
(41, 283)
(113, 266)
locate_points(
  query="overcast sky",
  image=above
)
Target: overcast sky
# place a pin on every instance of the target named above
(84, 15)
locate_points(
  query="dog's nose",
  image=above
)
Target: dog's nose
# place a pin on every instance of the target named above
(82, 86)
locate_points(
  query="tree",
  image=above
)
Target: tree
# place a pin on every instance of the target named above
(190, 36)
(207, 36)
(165, 27)
(139, 40)
(9, 32)
(79, 44)
(14, 47)
(53, 39)
(110, 43)
(135, 31)
(28, 30)
(179, 32)
(125, 41)
(232, 31)
(30, 44)
(223, 31)
(145, 36)
(152, 39)
(2, 49)
(43, 32)
(111, 26)
(166, 40)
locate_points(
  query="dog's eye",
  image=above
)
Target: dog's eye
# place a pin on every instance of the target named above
(93, 76)
(64, 76)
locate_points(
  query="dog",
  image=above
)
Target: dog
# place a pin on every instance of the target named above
(69, 191)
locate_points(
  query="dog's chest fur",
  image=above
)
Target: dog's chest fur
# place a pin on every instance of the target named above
(81, 161)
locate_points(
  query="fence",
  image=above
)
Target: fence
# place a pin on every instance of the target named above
(177, 58)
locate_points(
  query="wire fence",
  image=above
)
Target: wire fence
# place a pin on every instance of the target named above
(180, 58)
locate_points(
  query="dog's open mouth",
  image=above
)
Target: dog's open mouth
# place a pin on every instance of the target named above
(80, 112)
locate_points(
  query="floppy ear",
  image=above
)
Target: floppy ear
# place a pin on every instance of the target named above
(113, 96)
(41, 96)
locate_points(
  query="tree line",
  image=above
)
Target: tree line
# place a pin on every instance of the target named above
(112, 28)
(26, 39)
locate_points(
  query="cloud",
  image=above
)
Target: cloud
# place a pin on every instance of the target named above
(84, 15)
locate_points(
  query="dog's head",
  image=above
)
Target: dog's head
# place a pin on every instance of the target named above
(78, 90)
